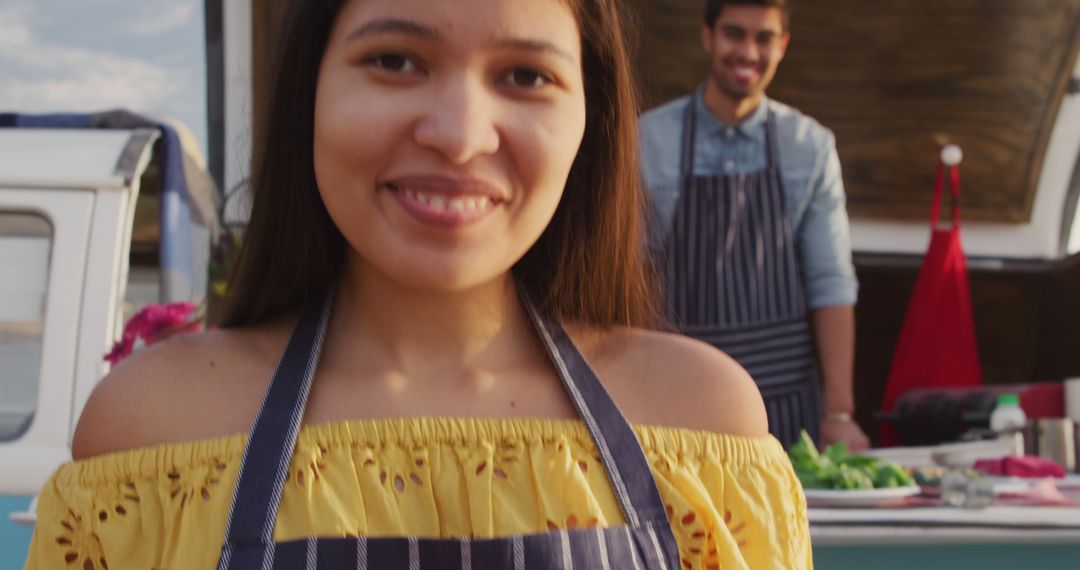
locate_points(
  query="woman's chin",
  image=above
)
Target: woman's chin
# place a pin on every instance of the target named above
(446, 278)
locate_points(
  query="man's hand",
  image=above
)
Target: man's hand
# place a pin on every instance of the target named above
(835, 430)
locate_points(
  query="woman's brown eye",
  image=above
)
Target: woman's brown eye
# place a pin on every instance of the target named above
(392, 62)
(527, 78)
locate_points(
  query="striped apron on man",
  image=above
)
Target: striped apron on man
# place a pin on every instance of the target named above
(646, 542)
(733, 280)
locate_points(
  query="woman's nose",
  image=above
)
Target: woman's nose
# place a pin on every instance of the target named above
(459, 122)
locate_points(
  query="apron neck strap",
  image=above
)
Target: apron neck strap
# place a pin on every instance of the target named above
(772, 152)
(267, 455)
(689, 131)
(939, 195)
(624, 460)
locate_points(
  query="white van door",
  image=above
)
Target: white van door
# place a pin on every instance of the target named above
(44, 236)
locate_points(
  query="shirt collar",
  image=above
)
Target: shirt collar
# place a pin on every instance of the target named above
(750, 127)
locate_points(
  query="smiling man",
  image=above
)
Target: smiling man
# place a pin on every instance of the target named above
(750, 226)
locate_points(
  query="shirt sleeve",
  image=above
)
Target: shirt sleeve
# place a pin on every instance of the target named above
(99, 513)
(741, 508)
(824, 236)
(63, 535)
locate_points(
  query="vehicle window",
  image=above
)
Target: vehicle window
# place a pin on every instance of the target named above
(25, 244)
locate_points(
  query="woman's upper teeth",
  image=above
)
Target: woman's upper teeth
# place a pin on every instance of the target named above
(462, 204)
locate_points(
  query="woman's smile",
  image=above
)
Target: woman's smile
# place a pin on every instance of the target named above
(445, 201)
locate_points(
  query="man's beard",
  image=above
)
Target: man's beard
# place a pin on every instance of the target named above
(736, 93)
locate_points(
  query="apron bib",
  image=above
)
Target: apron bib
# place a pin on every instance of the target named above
(733, 281)
(646, 542)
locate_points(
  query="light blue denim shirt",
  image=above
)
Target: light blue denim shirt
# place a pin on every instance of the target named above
(809, 166)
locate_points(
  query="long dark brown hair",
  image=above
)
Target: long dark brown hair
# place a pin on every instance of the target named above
(590, 265)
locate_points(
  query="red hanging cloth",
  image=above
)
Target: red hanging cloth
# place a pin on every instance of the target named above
(937, 342)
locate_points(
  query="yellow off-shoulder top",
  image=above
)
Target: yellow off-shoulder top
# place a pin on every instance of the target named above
(734, 502)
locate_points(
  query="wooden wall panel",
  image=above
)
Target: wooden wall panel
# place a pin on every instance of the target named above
(1057, 353)
(893, 79)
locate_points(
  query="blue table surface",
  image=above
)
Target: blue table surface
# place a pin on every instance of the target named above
(14, 539)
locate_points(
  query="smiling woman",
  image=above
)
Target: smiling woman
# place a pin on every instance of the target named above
(488, 112)
(442, 274)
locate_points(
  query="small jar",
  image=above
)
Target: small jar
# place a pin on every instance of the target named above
(966, 489)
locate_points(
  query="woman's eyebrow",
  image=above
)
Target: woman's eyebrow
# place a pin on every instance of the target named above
(413, 28)
(393, 26)
(539, 46)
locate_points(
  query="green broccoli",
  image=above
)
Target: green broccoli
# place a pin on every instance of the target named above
(890, 475)
(848, 477)
(838, 468)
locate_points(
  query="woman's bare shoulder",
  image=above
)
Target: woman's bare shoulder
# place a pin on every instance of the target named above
(189, 387)
(672, 380)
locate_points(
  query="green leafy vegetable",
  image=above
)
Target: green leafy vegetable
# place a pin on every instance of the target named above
(838, 468)
(890, 475)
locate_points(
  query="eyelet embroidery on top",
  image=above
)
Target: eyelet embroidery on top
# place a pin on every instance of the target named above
(212, 481)
(186, 487)
(75, 541)
(78, 544)
(419, 460)
(584, 462)
(311, 473)
(505, 454)
(688, 525)
(178, 491)
(737, 530)
(397, 479)
(400, 478)
(700, 546)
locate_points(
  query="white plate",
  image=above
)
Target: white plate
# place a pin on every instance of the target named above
(1010, 485)
(858, 497)
(1021, 484)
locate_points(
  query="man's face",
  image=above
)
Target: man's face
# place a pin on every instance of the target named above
(747, 44)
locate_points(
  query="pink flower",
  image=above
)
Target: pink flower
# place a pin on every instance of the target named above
(152, 324)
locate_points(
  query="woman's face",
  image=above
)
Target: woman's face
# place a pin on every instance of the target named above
(445, 132)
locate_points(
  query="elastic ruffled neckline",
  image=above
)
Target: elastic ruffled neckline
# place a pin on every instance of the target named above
(149, 462)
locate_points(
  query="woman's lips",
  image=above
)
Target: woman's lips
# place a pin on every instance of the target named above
(445, 202)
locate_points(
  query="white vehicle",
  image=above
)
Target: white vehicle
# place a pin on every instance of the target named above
(86, 238)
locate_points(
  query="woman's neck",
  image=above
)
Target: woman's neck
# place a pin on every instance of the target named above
(380, 325)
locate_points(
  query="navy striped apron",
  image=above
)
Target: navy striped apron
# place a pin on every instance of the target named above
(733, 280)
(646, 542)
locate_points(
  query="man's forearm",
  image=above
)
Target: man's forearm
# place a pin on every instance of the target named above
(834, 336)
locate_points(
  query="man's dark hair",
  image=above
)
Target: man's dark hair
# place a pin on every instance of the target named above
(713, 8)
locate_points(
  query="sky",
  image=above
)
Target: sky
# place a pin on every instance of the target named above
(147, 56)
